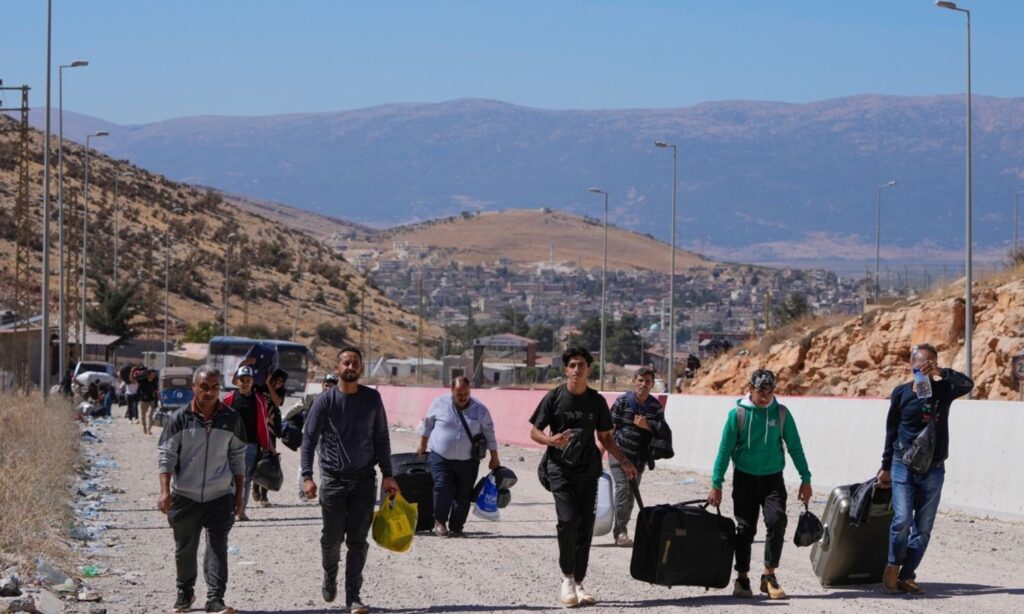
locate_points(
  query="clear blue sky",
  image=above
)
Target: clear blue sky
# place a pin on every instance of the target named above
(156, 60)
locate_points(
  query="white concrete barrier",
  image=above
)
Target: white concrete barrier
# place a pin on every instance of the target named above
(843, 440)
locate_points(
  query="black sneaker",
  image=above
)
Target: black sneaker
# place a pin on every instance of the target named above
(329, 589)
(216, 604)
(184, 601)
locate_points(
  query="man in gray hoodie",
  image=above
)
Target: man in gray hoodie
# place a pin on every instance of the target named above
(201, 459)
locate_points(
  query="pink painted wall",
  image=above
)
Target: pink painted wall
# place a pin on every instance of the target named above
(510, 409)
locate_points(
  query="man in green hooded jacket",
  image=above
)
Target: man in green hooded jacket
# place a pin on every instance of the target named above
(756, 434)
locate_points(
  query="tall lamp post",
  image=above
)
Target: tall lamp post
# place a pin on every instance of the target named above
(878, 229)
(167, 280)
(85, 240)
(227, 257)
(117, 182)
(969, 307)
(44, 333)
(672, 275)
(604, 280)
(62, 333)
(1016, 214)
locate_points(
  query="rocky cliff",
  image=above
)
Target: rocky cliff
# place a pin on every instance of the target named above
(868, 355)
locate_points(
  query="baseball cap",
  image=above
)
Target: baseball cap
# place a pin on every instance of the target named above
(245, 372)
(331, 377)
(763, 379)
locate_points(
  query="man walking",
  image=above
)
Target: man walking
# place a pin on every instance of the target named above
(349, 426)
(201, 459)
(636, 416)
(756, 434)
(253, 409)
(452, 422)
(148, 396)
(573, 413)
(915, 496)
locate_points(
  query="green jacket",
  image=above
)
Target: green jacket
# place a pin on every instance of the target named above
(758, 450)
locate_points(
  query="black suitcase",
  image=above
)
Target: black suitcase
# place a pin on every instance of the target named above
(682, 545)
(417, 486)
(848, 554)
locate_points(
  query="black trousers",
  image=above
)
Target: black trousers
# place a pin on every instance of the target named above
(575, 498)
(750, 495)
(453, 488)
(347, 509)
(188, 518)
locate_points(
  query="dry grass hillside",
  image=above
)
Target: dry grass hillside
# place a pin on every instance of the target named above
(279, 275)
(528, 236)
(867, 355)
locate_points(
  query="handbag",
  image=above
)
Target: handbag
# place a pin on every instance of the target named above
(267, 471)
(808, 528)
(918, 457)
(478, 443)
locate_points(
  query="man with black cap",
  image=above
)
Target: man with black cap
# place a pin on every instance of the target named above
(755, 436)
(253, 409)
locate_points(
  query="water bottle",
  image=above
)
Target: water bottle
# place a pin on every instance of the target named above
(922, 385)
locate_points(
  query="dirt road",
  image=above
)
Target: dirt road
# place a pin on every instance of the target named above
(973, 565)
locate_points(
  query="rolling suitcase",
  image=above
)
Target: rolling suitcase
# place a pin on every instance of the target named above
(417, 486)
(848, 554)
(682, 545)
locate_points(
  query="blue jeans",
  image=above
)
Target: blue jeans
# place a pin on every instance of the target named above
(915, 501)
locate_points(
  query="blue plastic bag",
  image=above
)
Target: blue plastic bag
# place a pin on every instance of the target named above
(487, 501)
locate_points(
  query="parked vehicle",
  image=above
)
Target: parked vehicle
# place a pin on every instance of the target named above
(175, 388)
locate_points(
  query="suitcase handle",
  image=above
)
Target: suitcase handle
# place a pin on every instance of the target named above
(636, 493)
(703, 504)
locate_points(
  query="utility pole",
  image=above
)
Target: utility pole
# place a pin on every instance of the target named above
(419, 337)
(298, 299)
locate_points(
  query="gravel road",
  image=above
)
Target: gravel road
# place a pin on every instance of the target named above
(973, 565)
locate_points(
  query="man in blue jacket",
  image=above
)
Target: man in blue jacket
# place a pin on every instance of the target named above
(915, 496)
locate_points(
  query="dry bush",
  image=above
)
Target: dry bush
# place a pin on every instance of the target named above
(806, 327)
(38, 453)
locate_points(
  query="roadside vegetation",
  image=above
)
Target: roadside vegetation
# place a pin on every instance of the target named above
(38, 455)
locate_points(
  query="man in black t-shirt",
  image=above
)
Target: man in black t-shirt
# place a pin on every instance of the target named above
(573, 413)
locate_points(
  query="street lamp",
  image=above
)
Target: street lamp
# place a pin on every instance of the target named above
(44, 333)
(672, 274)
(878, 229)
(227, 256)
(604, 280)
(167, 279)
(62, 334)
(85, 239)
(969, 307)
(117, 181)
(1016, 214)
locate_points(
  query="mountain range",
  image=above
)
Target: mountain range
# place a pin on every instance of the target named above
(756, 180)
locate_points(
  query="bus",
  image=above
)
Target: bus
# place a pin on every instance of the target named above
(224, 353)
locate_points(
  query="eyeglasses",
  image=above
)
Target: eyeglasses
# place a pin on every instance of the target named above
(209, 388)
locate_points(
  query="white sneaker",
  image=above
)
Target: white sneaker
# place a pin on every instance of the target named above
(583, 596)
(567, 596)
(358, 608)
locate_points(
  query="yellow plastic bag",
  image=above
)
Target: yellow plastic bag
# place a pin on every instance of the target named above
(394, 524)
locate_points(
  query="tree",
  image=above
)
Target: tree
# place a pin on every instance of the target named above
(794, 306)
(202, 332)
(332, 334)
(115, 308)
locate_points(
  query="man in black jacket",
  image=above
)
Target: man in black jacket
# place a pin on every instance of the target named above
(915, 496)
(347, 426)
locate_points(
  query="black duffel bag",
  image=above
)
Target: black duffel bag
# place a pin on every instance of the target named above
(267, 471)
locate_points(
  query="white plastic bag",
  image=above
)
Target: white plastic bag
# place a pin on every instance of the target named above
(604, 507)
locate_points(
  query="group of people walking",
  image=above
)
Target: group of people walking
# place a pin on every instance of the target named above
(346, 427)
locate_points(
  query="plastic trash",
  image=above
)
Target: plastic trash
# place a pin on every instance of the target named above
(91, 571)
(687, 481)
(49, 574)
(234, 550)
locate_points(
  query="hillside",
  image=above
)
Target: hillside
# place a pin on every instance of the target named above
(525, 237)
(867, 355)
(756, 176)
(279, 275)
